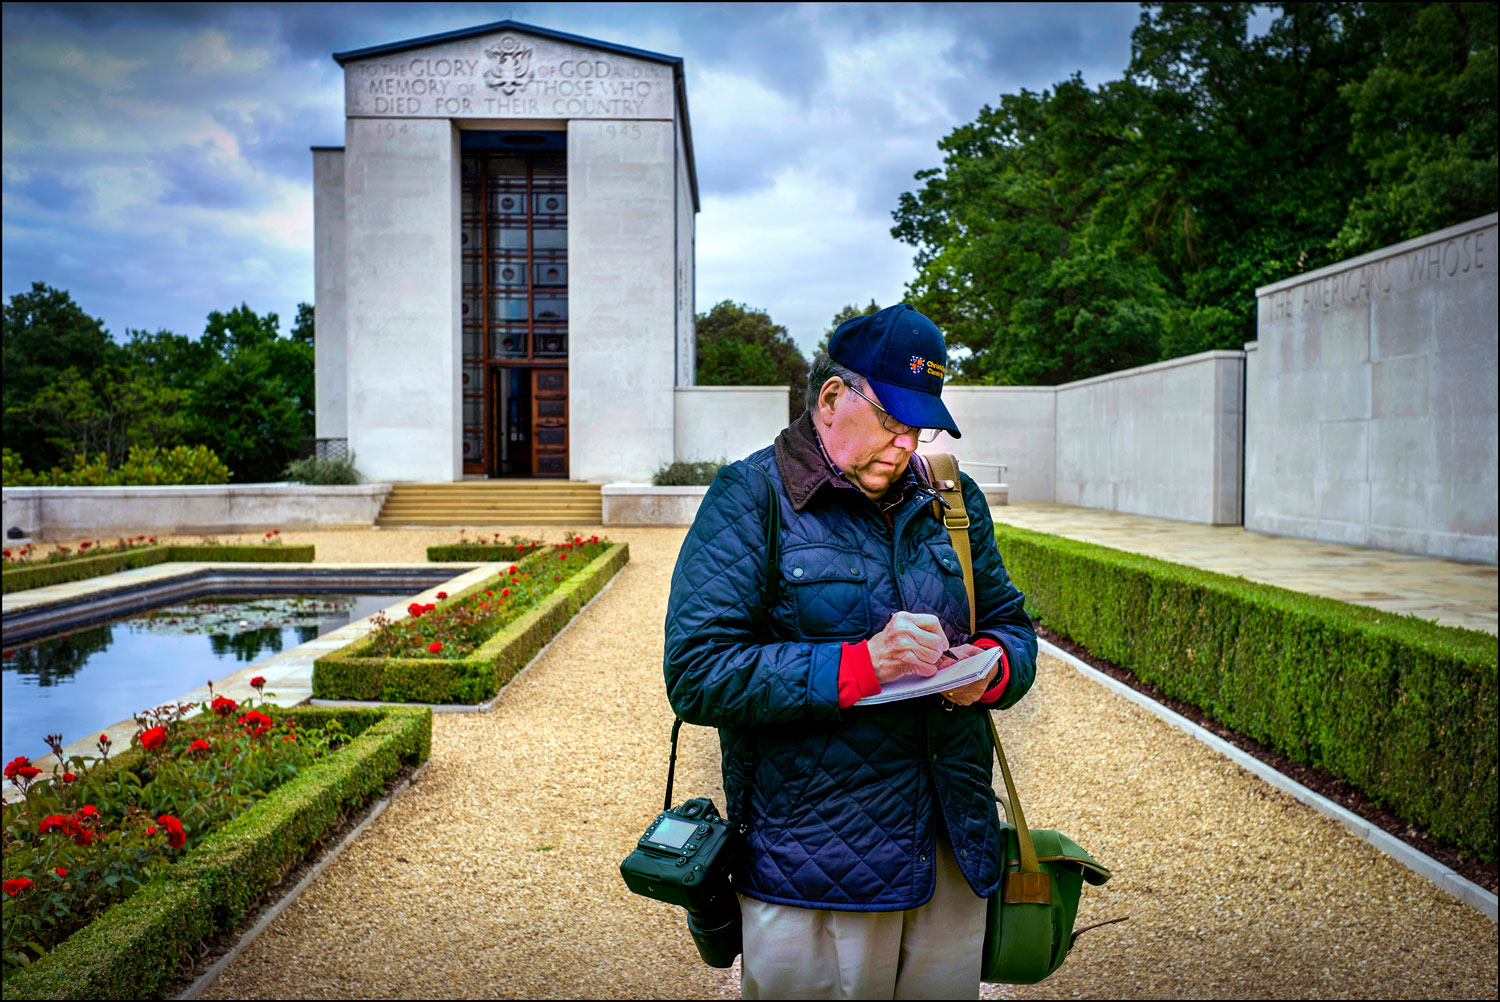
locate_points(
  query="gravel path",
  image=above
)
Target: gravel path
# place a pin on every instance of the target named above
(496, 875)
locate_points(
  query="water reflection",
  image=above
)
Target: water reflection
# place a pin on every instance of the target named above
(77, 682)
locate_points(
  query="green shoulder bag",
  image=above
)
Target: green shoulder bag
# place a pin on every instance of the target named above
(1030, 927)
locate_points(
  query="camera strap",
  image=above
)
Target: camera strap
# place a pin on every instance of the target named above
(773, 575)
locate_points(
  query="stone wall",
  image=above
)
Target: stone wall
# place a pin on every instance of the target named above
(727, 422)
(107, 513)
(1014, 425)
(621, 298)
(1371, 410)
(1161, 439)
(402, 297)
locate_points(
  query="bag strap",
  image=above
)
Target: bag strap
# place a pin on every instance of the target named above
(1030, 885)
(773, 581)
(955, 518)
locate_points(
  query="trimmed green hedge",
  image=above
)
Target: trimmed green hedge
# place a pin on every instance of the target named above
(23, 578)
(135, 948)
(1401, 708)
(345, 674)
(465, 553)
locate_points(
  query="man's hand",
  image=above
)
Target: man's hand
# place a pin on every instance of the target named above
(966, 694)
(912, 642)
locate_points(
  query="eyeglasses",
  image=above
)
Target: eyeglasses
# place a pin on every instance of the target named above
(890, 424)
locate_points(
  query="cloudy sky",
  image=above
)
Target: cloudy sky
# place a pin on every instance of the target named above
(156, 159)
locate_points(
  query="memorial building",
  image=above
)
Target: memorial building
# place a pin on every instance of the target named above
(504, 251)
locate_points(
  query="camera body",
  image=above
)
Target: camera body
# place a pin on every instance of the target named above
(684, 859)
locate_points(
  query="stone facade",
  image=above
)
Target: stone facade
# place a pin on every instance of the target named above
(397, 374)
(1371, 399)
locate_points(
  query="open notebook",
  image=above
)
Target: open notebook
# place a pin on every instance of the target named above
(959, 673)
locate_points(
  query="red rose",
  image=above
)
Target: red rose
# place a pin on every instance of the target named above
(88, 811)
(429, 607)
(176, 838)
(224, 706)
(490, 594)
(442, 595)
(68, 777)
(504, 592)
(29, 772)
(289, 737)
(83, 546)
(199, 745)
(153, 737)
(415, 609)
(150, 829)
(512, 569)
(84, 837)
(60, 872)
(104, 739)
(258, 682)
(256, 723)
(16, 885)
(434, 647)
(268, 535)
(15, 765)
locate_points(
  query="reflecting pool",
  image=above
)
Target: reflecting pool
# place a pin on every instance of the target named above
(87, 679)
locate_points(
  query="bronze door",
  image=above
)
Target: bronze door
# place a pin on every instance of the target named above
(549, 423)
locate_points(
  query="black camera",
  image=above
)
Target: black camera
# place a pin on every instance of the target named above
(684, 859)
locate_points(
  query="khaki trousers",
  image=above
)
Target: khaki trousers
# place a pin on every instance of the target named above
(930, 952)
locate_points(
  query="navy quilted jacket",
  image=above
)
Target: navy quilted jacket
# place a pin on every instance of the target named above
(845, 804)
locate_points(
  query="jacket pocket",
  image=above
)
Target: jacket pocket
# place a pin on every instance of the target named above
(951, 574)
(830, 591)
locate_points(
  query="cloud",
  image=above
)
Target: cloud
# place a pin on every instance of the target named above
(156, 157)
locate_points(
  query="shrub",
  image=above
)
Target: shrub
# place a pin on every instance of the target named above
(313, 470)
(135, 948)
(683, 474)
(22, 578)
(89, 835)
(1401, 708)
(151, 467)
(428, 676)
(482, 548)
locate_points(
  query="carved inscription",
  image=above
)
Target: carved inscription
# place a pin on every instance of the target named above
(512, 76)
(1432, 263)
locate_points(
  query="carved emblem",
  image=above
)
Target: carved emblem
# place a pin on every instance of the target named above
(512, 70)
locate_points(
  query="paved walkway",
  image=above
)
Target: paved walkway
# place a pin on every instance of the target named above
(496, 875)
(1453, 593)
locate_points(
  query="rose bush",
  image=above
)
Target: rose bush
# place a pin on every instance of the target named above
(26, 556)
(85, 838)
(456, 630)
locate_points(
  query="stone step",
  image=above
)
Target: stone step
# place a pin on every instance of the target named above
(494, 503)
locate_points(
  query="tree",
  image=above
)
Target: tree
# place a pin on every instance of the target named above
(1086, 227)
(45, 334)
(740, 346)
(302, 330)
(847, 312)
(109, 414)
(1424, 124)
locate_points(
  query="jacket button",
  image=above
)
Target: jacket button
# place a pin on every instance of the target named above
(963, 854)
(796, 572)
(921, 859)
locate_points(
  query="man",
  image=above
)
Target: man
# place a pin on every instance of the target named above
(873, 836)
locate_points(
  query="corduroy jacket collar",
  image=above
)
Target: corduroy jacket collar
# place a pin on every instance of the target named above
(806, 469)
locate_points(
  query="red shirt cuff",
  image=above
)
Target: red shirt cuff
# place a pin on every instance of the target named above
(994, 692)
(856, 674)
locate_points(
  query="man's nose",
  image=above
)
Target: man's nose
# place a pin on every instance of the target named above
(907, 440)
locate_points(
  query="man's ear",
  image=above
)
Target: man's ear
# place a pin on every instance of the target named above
(828, 399)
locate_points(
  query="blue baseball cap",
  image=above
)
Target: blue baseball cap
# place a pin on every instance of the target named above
(903, 356)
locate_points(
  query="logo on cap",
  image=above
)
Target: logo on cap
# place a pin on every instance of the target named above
(918, 364)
